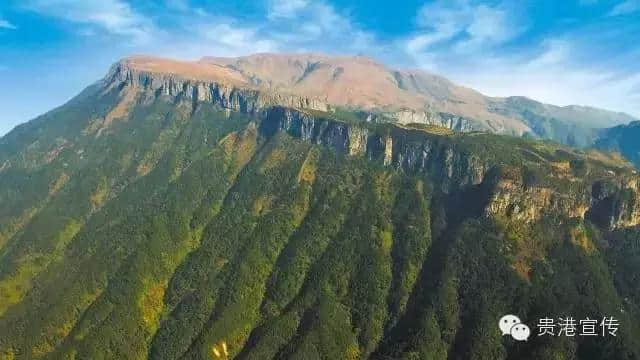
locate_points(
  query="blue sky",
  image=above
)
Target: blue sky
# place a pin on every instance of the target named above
(558, 51)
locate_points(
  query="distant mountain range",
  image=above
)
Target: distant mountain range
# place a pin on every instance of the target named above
(624, 139)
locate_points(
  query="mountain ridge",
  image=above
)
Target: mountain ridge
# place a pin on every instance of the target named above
(404, 95)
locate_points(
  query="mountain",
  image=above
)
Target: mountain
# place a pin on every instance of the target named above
(572, 125)
(624, 139)
(406, 96)
(161, 213)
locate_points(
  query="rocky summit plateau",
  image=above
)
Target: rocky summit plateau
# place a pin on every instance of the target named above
(303, 206)
(406, 96)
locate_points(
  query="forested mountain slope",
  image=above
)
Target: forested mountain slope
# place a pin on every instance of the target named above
(155, 216)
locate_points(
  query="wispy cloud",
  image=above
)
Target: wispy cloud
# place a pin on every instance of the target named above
(227, 38)
(308, 25)
(279, 9)
(289, 25)
(464, 26)
(625, 7)
(5, 24)
(113, 16)
(474, 46)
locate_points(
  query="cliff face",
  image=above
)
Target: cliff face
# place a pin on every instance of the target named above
(242, 96)
(226, 95)
(449, 121)
(615, 203)
(403, 149)
(454, 168)
(411, 151)
(157, 216)
(399, 148)
(611, 209)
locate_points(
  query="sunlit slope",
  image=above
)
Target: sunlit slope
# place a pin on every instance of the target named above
(142, 224)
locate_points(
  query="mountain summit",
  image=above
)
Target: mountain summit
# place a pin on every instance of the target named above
(408, 96)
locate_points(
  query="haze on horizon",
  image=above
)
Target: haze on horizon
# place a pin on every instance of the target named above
(578, 52)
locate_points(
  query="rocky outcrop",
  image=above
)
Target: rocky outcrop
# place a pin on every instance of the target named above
(512, 198)
(225, 95)
(450, 121)
(610, 204)
(404, 149)
(615, 203)
(244, 98)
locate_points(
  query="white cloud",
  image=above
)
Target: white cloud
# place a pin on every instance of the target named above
(419, 42)
(5, 24)
(488, 26)
(463, 25)
(114, 16)
(286, 8)
(305, 20)
(231, 40)
(625, 7)
(555, 52)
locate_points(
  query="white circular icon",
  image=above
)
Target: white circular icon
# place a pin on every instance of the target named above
(507, 322)
(520, 332)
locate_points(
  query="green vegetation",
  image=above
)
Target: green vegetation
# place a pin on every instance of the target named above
(181, 226)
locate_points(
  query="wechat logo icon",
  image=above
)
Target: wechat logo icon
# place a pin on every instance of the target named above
(511, 325)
